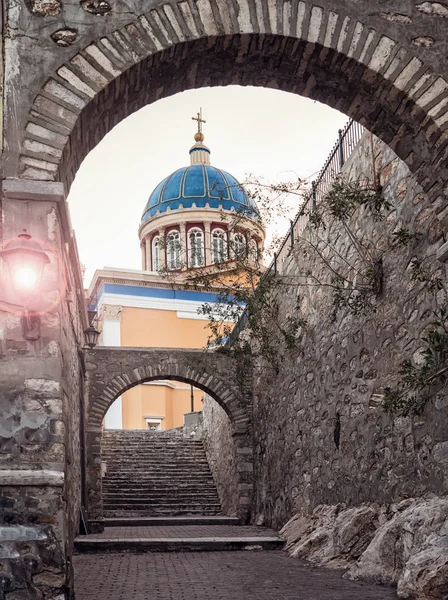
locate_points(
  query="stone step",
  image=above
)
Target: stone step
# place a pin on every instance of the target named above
(159, 465)
(155, 485)
(180, 469)
(156, 461)
(198, 477)
(130, 490)
(167, 509)
(160, 498)
(159, 481)
(181, 520)
(84, 544)
(177, 503)
(143, 443)
(158, 491)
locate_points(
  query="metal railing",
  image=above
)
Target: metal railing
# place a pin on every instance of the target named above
(348, 138)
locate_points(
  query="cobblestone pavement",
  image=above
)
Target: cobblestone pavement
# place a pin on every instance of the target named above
(182, 531)
(269, 575)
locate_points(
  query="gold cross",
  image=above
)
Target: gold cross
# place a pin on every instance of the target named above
(200, 120)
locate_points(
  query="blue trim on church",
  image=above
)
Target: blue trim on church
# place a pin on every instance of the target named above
(148, 292)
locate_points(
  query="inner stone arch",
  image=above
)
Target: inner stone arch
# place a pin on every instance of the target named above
(112, 371)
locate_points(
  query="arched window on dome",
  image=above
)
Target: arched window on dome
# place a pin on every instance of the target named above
(253, 250)
(156, 253)
(173, 250)
(239, 245)
(196, 248)
(219, 246)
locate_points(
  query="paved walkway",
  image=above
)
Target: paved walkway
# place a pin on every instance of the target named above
(268, 575)
(181, 531)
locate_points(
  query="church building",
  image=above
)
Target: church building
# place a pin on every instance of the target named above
(196, 221)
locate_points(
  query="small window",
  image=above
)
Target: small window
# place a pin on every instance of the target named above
(219, 246)
(173, 247)
(253, 250)
(153, 423)
(196, 248)
(240, 245)
(156, 253)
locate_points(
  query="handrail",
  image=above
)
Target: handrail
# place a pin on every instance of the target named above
(348, 138)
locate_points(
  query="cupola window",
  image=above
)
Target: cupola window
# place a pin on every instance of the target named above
(253, 250)
(219, 246)
(239, 242)
(156, 253)
(196, 248)
(173, 247)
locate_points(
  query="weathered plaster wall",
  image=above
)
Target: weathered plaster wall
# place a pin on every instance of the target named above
(222, 454)
(341, 363)
(40, 459)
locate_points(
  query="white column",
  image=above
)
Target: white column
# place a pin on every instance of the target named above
(162, 246)
(143, 248)
(148, 254)
(111, 336)
(208, 242)
(183, 245)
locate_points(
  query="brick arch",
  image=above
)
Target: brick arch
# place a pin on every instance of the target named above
(365, 66)
(112, 371)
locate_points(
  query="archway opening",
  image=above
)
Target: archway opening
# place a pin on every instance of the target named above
(159, 405)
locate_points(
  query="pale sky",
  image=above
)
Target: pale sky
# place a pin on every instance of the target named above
(271, 134)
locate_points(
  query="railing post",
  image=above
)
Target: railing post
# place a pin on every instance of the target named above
(313, 197)
(275, 263)
(341, 149)
(291, 233)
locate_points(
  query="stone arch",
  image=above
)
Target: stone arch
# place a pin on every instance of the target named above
(368, 66)
(112, 371)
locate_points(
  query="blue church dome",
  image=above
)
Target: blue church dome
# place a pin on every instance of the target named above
(199, 185)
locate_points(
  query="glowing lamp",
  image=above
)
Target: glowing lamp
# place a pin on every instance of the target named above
(25, 260)
(92, 336)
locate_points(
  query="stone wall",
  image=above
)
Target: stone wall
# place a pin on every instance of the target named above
(221, 453)
(40, 402)
(321, 436)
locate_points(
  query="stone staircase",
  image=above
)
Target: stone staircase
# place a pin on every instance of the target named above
(159, 496)
(156, 474)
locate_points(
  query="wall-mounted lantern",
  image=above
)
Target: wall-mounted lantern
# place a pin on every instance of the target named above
(25, 261)
(92, 334)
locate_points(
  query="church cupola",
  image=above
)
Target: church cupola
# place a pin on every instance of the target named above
(199, 153)
(187, 221)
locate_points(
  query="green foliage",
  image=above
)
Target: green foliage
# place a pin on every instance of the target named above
(433, 280)
(403, 237)
(357, 283)
(419, 383)
(345, 197)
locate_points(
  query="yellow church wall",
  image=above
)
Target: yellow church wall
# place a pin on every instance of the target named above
(154, 328)
(145, 327)
(132, 408)
(158, 401)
